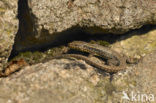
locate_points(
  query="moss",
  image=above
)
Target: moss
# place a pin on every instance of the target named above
(25, 54)
(38, 56)
(101, 42)
(30, 57)
(2, 10)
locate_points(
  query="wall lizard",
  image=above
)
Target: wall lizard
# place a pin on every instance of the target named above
(98, 50)
(94, 49)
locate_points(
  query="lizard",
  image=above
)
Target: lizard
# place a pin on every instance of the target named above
(97, 50)
(94, 49)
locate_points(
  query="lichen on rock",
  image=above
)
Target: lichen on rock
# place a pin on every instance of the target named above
(8, 28)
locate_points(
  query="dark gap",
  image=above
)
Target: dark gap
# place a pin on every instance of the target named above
(77, 33)
(23, 26)
(143, 30)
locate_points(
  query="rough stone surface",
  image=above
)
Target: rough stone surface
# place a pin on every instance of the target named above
(72, 81)
(51, 21)
(137, 43)
(8, 28)
(117, 16)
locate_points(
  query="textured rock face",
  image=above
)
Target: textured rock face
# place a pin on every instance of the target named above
(116, 16)
(8, 28)
(72, 81)
(43, 21)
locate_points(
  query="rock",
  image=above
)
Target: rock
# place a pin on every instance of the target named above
(115, 16)
(69, 80)
(74, 81)
(51, 22)
(42, 23)
(8, 28)
(136, 44)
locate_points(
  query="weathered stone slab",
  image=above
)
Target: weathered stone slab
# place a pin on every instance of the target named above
(51, 21)
(8, 28)
(115, 16)
(72, 81)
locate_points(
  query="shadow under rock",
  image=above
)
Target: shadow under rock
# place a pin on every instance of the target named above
(26, 40)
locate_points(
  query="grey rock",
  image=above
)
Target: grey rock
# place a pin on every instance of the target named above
(116, 16)
(74, 81)
(51, 21)
(8, 28)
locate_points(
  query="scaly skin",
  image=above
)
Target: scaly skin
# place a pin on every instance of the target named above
(110, 69)
(98, 50)
(94, 49)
